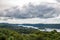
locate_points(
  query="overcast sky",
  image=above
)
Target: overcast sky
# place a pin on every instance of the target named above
(9, 3)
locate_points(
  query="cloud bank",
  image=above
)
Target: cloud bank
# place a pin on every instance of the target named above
(44, 10)
(58, 0)
(10, 3)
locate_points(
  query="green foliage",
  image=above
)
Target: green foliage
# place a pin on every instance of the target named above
(30, 34)
(6, 34)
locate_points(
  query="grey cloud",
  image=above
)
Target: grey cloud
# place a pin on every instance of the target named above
(4, 4)
(31, 11)
(58, 0)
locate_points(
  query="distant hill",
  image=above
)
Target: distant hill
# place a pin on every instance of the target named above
(41, 26)
(44, 25)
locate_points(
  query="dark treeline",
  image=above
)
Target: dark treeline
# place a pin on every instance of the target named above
(41, 26)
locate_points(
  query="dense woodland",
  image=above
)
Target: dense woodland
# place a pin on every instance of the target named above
(23, 33)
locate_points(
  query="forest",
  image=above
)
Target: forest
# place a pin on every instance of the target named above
(24, 33)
